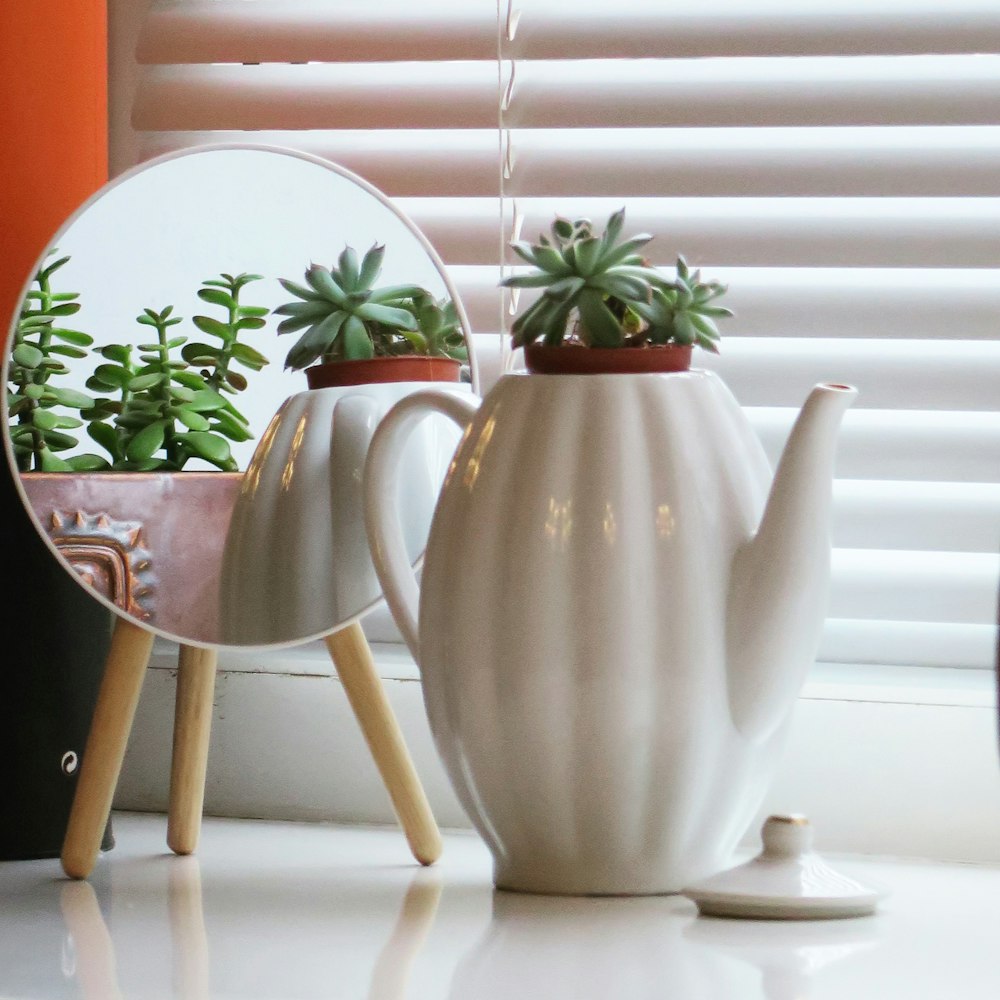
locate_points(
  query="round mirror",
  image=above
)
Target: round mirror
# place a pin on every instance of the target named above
(170, 449)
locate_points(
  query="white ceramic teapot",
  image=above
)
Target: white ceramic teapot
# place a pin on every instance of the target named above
(615, 619)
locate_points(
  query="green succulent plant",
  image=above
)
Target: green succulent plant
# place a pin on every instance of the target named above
(216, 363)
(599, 291)
(439, 332)
(42, 413)
(345, 317)
(149, 413)
(682, 314)
(164, 414)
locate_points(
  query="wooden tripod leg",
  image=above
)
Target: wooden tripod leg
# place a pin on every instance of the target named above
(192, 731)
(353, 660)
(102, 759)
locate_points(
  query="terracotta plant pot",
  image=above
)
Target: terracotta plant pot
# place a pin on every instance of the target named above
(408, 368)
(149, 542)
(575, 359)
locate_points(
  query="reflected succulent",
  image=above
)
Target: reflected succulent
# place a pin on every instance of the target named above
(345, 317)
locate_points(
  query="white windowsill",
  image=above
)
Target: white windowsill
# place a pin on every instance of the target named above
(897, 685)
(855, 682)
(309, 660)
(887, 761)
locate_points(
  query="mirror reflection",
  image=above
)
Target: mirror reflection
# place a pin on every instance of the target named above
(195, 370)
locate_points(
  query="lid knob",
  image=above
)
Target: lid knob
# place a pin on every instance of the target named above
(787, 836)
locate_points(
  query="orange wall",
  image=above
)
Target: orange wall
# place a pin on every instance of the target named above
(53, 126)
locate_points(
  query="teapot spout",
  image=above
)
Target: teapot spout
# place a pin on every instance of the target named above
(780, 578)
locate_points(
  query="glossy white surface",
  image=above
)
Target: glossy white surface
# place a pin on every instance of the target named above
(788, 880)
(286, 911)
(610, 723)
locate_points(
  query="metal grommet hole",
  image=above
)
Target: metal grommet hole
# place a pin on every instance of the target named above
(70, 762)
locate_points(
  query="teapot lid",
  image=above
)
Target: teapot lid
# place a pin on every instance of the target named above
(786, 881)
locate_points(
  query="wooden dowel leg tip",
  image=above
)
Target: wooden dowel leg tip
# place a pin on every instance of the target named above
(180, 845)
(76, 867)
(427, 854)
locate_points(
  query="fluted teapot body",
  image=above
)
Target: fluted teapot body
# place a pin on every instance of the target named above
(590, 604)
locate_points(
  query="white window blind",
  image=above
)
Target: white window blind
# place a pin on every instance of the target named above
(838, 165)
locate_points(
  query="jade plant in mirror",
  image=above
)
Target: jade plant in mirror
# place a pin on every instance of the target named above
(40, 410)
(600, 293)
(156, 410)
(354, 330)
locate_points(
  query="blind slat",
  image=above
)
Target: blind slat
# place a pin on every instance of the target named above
(889, 374)
(749, 232)
(670, 93)
(402, 163)
(317, 96)
(899, 444)
(790, 232)
(917, 644)
(754, 162)
(958, 587)
(947, 517)
(745, 232)
(734, 28)
(464, 94)
(222, 31)
(818, 302)
(897, 303)
(301, 30)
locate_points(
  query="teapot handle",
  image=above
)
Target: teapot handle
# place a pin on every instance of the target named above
(381, 488)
